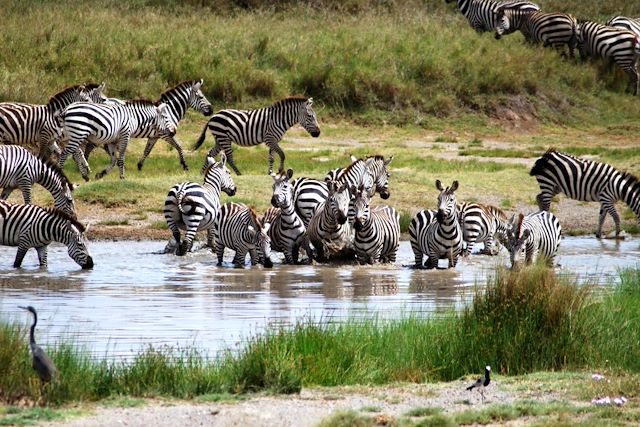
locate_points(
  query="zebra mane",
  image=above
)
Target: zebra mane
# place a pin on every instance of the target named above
(541, 164)
(63, 93)
(65, 216)
(346, 170)
(290, 100)
(254, 218)
(185, 84)
(59, 173)
(519, 228)
(91, 86)
(142, 101)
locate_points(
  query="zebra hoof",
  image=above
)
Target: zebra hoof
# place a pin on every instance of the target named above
(140, 166)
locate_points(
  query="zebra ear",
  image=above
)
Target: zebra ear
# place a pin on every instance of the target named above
(251, 229)
(353, 158)
(223, 159)
(525, 234)
(310, 102)
(197, 86)
(161, 108)
(439, 185)
(266, 227)
(386, 162)
(453, 187)
(289, 173)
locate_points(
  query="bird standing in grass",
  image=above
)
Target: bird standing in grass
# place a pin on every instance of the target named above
(40, 362)
(481, 383)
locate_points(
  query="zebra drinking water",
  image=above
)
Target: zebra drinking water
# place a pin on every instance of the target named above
(480, 223)
(252, 127)
(534, 236)
(328, 229)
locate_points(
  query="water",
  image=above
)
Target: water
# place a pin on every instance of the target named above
(135, 296)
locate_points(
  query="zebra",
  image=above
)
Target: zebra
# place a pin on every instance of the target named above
(418, 225)
(193, 207)
(253, 127)
(287, 232)
(178, 99)
(308, 194)
(534, 236)
(103, 124)
(587, 181)
(328, 230)
(31, 226)
(480, 223)
(550, 29)
(631, 24)
(482, 14)
(238, 228)
(441, 238)
(621, 46)
(377, 230)
(19, 168)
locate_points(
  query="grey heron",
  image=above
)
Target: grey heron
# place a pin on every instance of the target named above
(40, 362)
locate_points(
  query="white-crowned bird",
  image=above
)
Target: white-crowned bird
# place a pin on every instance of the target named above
(481, 383)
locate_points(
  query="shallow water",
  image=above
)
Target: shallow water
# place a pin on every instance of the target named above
(136, 296)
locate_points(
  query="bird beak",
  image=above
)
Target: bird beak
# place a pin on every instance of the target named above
(22, 307)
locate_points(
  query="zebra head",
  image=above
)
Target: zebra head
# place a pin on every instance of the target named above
(76, 242)
(263, 243)
(95, 93)
(165, 123)
(503, 23)
(216, 173)
(198, 101)
(338, 200)
(447, 206)
(308, 118)
(282, 190)
(514, 238)
(378, 168)
(362, 199)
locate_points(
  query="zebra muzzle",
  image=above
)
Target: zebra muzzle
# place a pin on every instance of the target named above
(88, 265)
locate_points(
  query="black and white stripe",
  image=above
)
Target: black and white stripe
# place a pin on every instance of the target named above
(238, 229)
(480, 223)
(30, 226)
(19, 168)
(588, 181)
(417, 228)
(441, 238)
(308, 194)
(482, 14)
(104, 124)
(377, 230)
(265, 125)
(621, 46)
(193, 207)
(328, 230)
(532, 237)
(631, 24)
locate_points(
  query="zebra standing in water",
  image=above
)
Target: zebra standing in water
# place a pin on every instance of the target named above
(328, 229)
(21, 169)
(308, 194)
(587, 181)
(441, 238)
(377, 230)
(534, 236)
(621, 46)
(482, 14)
(104, 124)
(193, 207)
(480, 223)
(238, 228)
(253, 127)
(30, 226)
(418, 226)
(287, 231)
(550, 29)
(631, 24)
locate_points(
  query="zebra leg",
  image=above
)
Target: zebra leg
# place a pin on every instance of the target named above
(544, 201)
(82, 164)
(432, 261)
(211, 238)
(112, 154)
(6, 192)
(22, 251)
(174, 143)
(229, 153)
(42, 255)
(151, 142)
(219, 251)
(417, 252)
(275, 148)
(122, 148)
(611, 210)
(238, 259)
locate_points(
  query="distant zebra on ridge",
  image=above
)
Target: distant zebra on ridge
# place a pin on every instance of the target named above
(585, 180)
(252, 127)
(534, 236)
(482, 14)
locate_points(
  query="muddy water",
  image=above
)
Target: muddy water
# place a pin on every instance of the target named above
(135, 296)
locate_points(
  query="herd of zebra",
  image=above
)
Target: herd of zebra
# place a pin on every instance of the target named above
(617, 41)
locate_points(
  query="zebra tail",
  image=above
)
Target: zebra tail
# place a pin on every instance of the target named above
(202, 137)
(181, 200)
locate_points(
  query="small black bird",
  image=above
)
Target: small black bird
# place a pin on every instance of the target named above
(40, 362)
(481, 383)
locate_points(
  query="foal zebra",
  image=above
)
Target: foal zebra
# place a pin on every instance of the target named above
(588, 181)
(30, 226)
(193, 207)
(253, 127)
(621, 46)
(377, 230)
(631, 24)
(238, 228)
(550, 29)
(441, 238)
(534, 236)
(482, 14)
(104, 124)
(328, 229)
(480, 223)
(21, 169)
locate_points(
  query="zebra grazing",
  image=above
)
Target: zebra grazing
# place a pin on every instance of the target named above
(621, 46)
(104, 124)
(193, 207)
(328, 230)
(480, 223)
(19, 168)
(238, 228)
(377, 230)
(551, 29)
(253, 127)
(534, 236)
(441, 238)
(287, 231)
(30, 226)
(36, 126)
(587, 181)
(482, 14)
(631, 24)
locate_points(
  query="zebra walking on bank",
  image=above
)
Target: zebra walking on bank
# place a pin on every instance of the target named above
(377, 230)
(550, 29)
(480, 223)
(238, 229)
(30, 226)
(104, 124)
(19, 168)
(625, 23)
(193, 207)
(265, 125)
(482, 14)
(621, 46)
(587, 181)
(328, 229)
(531, 237)
(441, 238)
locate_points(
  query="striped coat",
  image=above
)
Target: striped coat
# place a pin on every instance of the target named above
(531, 237)
(328, 230)
(480, 223)
(482, 14)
